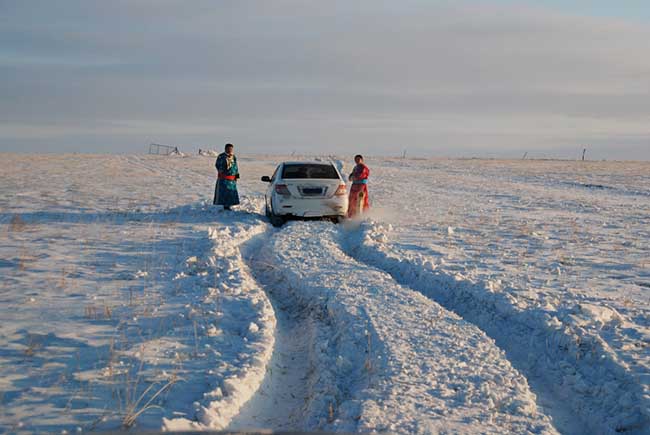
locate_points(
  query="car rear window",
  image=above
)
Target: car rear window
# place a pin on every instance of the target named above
(309, 170)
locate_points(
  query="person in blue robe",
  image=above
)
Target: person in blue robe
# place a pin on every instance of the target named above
(225, 192)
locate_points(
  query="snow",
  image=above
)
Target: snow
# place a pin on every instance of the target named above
(208, 153)
(377, 338)
(240, 307)
(477, 296)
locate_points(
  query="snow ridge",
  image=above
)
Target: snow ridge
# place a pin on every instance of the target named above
(579, 367)
(243, 328)
(337, 336)
(387, 358)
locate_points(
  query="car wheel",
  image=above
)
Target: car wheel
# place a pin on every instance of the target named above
(276, 221)
(267, 211)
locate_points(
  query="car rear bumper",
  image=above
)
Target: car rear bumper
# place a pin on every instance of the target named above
(310, 207)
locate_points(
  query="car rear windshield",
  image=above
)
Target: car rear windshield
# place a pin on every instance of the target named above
(309, 170)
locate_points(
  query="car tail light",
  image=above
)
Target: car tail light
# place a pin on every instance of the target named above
(282, 189)
(341, 190)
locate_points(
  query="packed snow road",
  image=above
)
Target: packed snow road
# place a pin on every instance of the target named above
(281, 399)
(493, 305)
(387, 358)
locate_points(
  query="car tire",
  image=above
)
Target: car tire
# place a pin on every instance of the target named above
(267, 211)
(276, 221)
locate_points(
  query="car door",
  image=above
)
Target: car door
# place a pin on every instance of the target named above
(271, 188)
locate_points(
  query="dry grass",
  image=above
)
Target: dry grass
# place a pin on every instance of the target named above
(34, 343)
(368, 363)
(137, 406)
(94, 312)
(22, 262)
(66, 271)
(17, 224)
(196, 341)
(132, 400)
(25, 258)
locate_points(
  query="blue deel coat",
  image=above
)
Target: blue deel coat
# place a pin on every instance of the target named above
(225, 192)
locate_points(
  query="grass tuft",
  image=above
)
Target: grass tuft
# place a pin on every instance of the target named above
(17, 224)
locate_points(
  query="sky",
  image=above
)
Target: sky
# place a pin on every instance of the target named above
(464, 78)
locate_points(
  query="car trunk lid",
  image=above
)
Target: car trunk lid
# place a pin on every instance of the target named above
(312, 188)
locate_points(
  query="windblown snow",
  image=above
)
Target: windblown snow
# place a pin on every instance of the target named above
(478, 296)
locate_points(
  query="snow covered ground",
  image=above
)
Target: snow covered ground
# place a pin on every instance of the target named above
(479, 296)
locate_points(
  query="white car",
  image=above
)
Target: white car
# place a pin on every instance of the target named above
(305, 189)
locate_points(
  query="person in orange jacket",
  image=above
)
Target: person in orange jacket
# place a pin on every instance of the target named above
(358, 200)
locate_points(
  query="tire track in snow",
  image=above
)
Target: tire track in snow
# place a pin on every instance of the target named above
(585, 386)
(298, 393)
(387, 358)
(279, 404)
(243, 332)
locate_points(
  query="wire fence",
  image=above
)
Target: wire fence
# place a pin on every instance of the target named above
(165, 150)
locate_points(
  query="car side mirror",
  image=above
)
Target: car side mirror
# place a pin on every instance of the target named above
(266, 179)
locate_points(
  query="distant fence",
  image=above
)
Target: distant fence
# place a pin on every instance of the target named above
(165, 150)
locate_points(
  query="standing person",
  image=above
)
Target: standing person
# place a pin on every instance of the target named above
(358, 200)
(225, 192)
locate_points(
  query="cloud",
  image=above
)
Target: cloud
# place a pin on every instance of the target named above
(441, 77)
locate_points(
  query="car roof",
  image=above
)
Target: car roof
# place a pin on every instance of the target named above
(308, 162)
